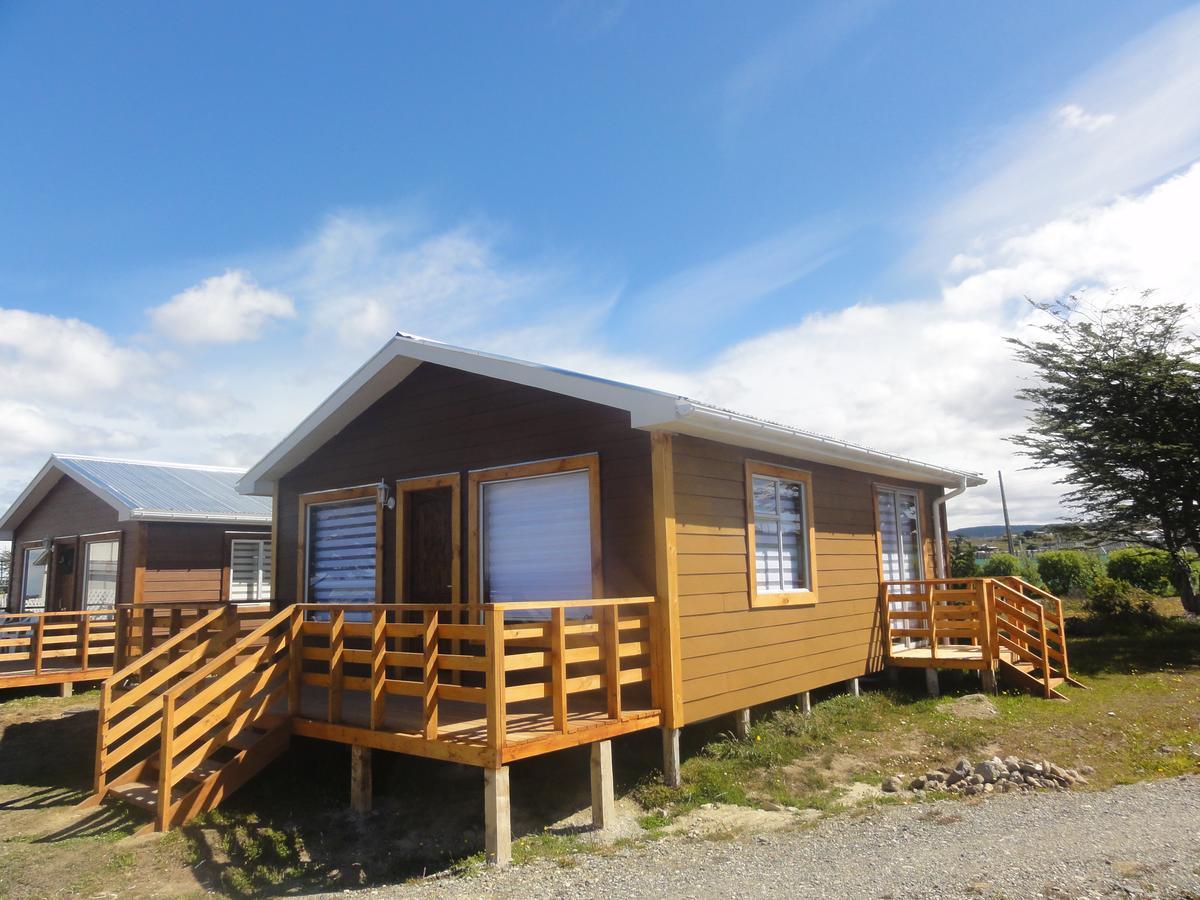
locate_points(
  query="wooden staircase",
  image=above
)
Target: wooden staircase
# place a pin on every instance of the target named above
(195, 718)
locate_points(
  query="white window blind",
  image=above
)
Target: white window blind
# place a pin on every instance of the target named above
(537, 540)
(780, 535)
(33, 581)
(341, 552)
(100, 562)
(249, 570)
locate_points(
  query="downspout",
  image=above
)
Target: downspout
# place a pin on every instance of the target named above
(939, 545)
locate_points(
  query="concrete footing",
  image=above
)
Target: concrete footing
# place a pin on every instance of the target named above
(804, 701)
(670, 739)
(742, 724)
(931, 682)
(852, 687)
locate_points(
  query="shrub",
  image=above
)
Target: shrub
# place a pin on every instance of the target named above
(1069, 571)
(962, 559)
(999, 564)
(1119, 602)
(1142, 567)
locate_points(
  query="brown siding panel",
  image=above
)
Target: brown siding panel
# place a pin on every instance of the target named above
(439, 420)
(185, 561)
(735, 656)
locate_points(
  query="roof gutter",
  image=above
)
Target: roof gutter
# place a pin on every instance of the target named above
(939, 545)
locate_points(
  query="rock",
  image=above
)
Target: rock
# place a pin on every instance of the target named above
(772, 806)
(988, 788)
(962, 766)
(891, 784)
(991, 771)
(973, 789)
(1086, 770)
(1012, 763)
(975, 779)
(918, 783)
(935, 775)
(1031, 768)
(973, 706)
(954, 779)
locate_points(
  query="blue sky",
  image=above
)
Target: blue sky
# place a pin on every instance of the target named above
(692, 196)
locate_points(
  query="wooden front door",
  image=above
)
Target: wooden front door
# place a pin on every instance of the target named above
(62, 582)
(429, 551)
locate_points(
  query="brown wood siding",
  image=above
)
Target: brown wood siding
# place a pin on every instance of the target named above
(734, 656)
(186, 561)
(440, 420)
(70, 509)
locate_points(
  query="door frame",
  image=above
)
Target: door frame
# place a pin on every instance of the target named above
(56, 546)
(405, 488)
(876, 488)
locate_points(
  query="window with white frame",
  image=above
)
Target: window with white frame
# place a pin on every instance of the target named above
(779, 512)
(536, 540)
(340, 548)
(101, 560)
(33, 580)
(249, 570)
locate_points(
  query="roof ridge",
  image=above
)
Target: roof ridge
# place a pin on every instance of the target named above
(198, 467)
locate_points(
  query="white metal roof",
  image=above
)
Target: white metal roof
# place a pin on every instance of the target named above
(146, 491)
(648, 409)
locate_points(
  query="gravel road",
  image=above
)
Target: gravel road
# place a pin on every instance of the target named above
(1139, 840)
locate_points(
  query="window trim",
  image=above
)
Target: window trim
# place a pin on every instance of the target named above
(583, 462)
(323, 498)
(767, 599)
(27, 547)
(405, 487)
(227, 570)
(102, 537)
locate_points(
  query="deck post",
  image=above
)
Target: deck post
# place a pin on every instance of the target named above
(852, 687)
(987, 681)
(742, 724)
(931, 682)
(893, 676)
(360, 779)
(497, 817)
(604, 806)
(804, 701)
(670, 738)
(66, 689)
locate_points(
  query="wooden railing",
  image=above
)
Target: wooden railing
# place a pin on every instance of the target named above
(1029, 624)
(64, 643)
(938, 613)
(416, 650)
(130, 714)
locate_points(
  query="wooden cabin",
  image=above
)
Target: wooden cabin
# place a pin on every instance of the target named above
(89, 534)
(479, 559)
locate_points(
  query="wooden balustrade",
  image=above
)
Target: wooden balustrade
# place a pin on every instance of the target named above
(43, 647)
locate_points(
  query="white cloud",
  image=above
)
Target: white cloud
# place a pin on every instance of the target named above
(223, 309)
(1073, 116)
(1041, 170)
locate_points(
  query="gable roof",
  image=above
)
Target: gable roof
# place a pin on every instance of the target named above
(648, 409)
(146, 491)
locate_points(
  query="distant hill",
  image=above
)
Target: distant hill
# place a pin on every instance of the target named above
(991, 531)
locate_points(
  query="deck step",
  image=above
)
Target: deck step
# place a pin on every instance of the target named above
(137, 793)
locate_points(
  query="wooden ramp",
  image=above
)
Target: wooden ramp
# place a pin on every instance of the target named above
(1003, 626)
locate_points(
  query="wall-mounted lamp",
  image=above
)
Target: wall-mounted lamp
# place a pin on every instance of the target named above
(385, 495)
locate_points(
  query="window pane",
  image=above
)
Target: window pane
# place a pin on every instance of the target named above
(249, 571)
(341, 552)
(764, 495)
(100, 574)
(537, 540)
(33, 584)
(766, 553)
(794, 570)
(791, 498)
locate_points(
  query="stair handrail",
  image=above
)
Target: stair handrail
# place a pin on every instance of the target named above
(185, 720)
(108, 704)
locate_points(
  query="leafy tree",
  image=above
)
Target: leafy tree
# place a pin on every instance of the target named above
(962, 559)
(1143, 567)
(1069, 571)
(1117, 408)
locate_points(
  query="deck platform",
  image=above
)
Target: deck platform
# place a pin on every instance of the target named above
(949, 656)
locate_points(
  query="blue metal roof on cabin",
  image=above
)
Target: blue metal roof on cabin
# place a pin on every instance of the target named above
(170, 489)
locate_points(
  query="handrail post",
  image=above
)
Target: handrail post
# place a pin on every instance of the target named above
(166, 762)
(121, 623)
(886, 624)
(85, 642)
(497, 707)
(611, 644)
(147, 629)
(1045, 651)
(932, 623)
(295, 660)
(429, 670)
(558, 667)
(1062, 640)
(101, 780)
(337, 646)
(39, 630)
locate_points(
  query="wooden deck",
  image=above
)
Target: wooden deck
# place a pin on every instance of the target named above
(949, 656)
(56, 647)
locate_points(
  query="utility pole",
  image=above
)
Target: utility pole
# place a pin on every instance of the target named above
(1004, 504)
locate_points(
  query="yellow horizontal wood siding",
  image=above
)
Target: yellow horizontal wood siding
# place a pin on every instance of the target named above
(734, 656)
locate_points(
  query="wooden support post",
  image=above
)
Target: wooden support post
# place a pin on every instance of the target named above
(931, 682)
(85, 640)
(611, 648)
(742, 724)
(893, 676)
(670, 738)
(497, 704)
(804, 701)
(987, 681)
(66, 689)
(166, 764)
(429, 671)
(852, 687)
(558, 668)
(497, 817)
(604, 805)
(337, 647)
(38, 635)
(295, 660)
(360, 779)
(100, 782)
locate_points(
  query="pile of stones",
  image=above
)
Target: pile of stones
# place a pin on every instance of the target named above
(989, 776)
